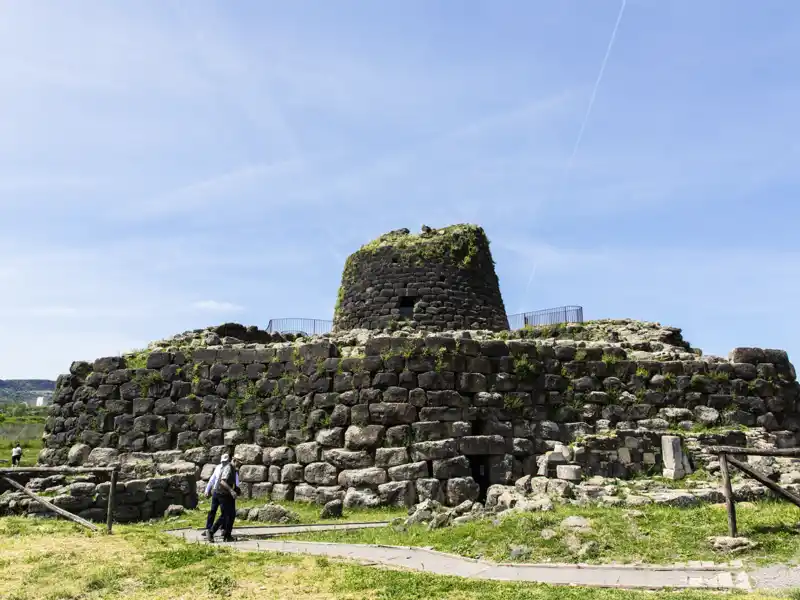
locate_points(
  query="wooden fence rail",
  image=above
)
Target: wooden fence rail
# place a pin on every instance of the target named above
(726, 459)
(7, 474)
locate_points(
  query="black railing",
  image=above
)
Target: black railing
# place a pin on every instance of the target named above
(548, 316)
(299, 326)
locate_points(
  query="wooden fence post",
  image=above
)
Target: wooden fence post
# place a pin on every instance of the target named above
(728, 492)
(111, 492)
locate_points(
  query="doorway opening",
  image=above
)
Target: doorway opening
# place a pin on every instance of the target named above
(407, 306)
(479, 465)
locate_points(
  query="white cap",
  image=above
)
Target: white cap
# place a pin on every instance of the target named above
(225, 458)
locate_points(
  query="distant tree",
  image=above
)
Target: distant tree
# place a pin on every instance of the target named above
(18, 410)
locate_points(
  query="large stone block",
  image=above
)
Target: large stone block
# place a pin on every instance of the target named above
(397, 493)
(441, 413)
(433, 380)
(282, 492)
(369, 477)
(304, 492)
(392, 413)
(429, 431)
(320, 473)
(417, 470)
(399, 435)
(149, 424)
(253, 473)
(390, 457)
(308, 452)
(359, 414)
(368, 437)
(292, 473)
(261, 490)
(430, 489)
(461, 489)
(249, 454)
(434, 450)
(448, 468)
(501, 469)
(482, 445)
(78, 454)
(331, 438)
(283, 455)
(347, 459)
(207, 471)
(361, 498)
(676, 462)
(211, 437)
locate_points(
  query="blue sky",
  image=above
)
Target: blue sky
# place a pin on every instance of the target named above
(166, 166)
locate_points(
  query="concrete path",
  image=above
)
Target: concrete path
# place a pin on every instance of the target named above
(695, 575)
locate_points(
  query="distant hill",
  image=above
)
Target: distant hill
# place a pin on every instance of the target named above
(21, 390)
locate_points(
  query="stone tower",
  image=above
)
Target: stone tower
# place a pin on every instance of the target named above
(436, 280)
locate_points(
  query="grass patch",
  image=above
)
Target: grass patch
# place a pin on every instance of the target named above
(54, 560)
(30, 450)
(308, 513)
(662, 535)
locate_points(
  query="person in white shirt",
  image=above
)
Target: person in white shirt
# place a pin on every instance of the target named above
(227, 491)
(16, 454)
(210, 486)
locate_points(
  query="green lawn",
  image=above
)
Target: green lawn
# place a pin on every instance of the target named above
(660, 535)
(55, 560)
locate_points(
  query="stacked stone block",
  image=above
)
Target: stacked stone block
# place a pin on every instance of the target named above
(444, 278)
(407, 418)
(134, 499)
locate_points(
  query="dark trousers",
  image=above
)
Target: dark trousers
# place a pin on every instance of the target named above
(15, 460)
(213, 512)
(225, 521)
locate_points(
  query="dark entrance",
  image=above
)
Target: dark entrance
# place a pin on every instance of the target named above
(407, 306)
(479, 465)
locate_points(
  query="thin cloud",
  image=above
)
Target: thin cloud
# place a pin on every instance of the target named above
(215, 306)
(204, 192)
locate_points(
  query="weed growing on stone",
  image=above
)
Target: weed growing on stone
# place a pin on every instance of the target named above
(137, 359)
(720, 376)
(148, 380)
(609, 359)
(524, 369)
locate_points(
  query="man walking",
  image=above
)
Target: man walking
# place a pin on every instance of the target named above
(225, 492)
(210, 487)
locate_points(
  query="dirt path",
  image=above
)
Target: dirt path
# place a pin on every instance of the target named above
(692, 575)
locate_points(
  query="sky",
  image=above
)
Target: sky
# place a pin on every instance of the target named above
(166, 166)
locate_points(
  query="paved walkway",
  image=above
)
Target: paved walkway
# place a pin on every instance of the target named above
(694, 575)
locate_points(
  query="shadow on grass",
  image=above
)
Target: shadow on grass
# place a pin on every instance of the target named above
(777, 529)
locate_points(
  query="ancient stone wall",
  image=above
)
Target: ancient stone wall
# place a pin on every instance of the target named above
(392, 420)
(134, 499)
(436, 280)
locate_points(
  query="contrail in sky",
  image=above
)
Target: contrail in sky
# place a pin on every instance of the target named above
(588, 113)
(596, 85)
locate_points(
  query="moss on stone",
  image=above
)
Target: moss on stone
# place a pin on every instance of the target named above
(136, 359)
(457, 243)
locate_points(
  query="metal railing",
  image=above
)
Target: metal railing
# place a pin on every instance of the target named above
(548, 316)
(299, 326)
